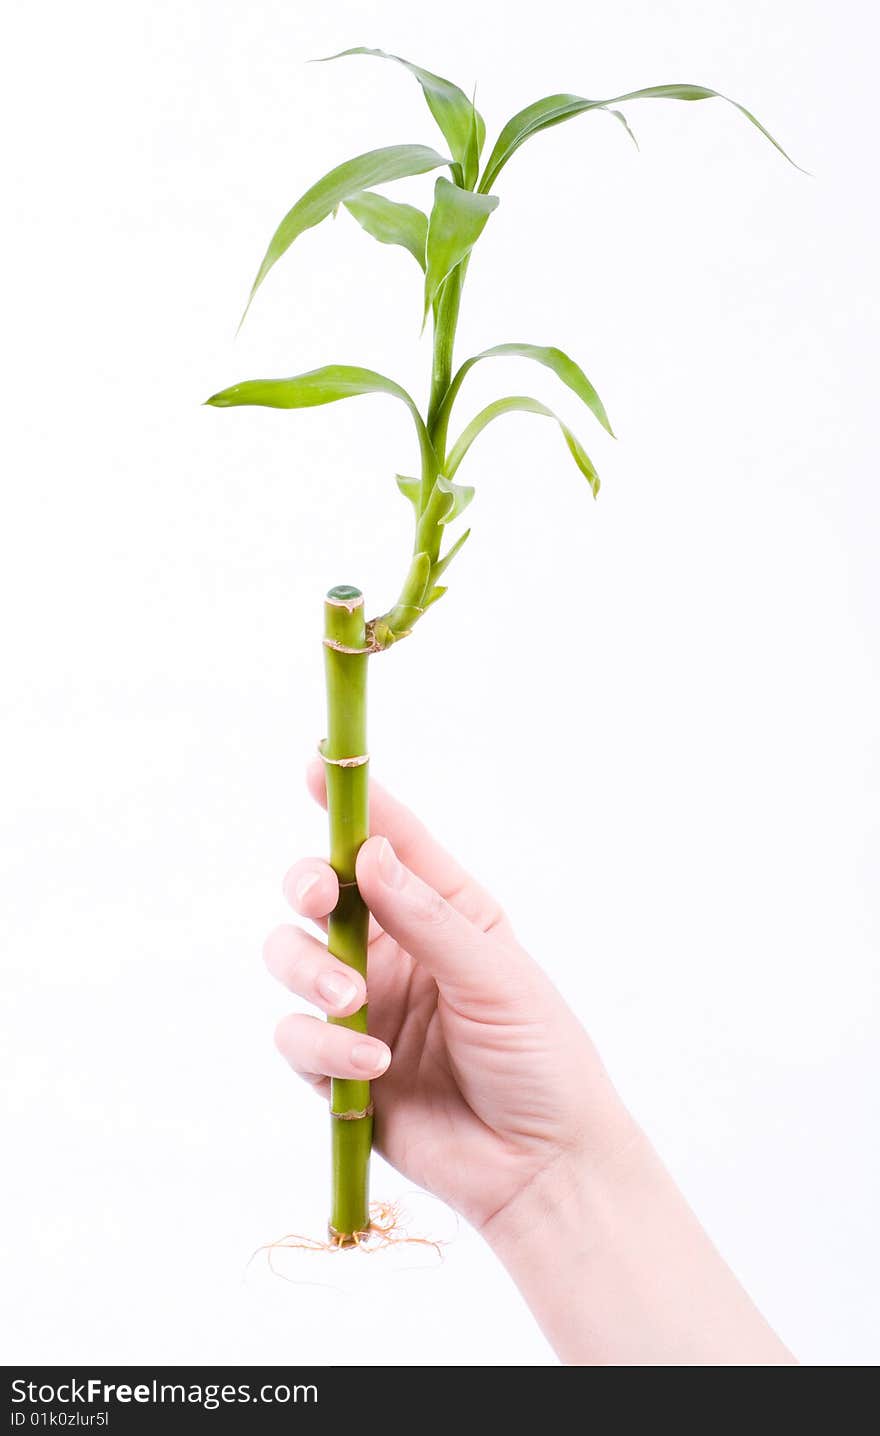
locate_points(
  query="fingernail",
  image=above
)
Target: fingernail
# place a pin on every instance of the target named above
(370, 1057)
(304, 886)
(335, 989)
(390, 870)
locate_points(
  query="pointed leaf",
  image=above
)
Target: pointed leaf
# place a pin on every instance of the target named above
(443, 563)
(460, 496)
(448, 104)
(432, 597)
(554, 109)
(390, 222)
(348, 179)
(563, 367)
(321, 386)
(445, 502)
(411, 489)
(521, 404)
(621, 119)
(476, 140)
(303, 391)
(456, 223)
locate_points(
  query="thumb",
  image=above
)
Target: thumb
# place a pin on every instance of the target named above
(458, 955)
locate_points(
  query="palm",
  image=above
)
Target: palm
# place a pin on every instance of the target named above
(492, 1076)
(453, 1112)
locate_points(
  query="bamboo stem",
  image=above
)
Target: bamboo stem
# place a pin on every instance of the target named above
(399, 620)
(445, 324)
(345, 663)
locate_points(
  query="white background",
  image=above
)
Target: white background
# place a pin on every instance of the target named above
(649, 723)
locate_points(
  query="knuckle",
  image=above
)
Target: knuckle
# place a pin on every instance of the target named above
(323, 1059)
(288, 956)
(276, 943)
(429, 907)
(476, 905)
(294, 1040)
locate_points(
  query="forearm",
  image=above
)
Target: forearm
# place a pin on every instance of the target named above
(618, 1271)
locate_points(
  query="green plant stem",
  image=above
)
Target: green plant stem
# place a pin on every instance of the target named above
(445, 324)
(348, 810)
(399, 620)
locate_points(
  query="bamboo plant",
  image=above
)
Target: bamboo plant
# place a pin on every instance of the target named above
(440, 242)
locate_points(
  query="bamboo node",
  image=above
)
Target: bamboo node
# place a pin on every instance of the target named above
(353, 1116)
(380, 636)
(356, 762)
(344, 648)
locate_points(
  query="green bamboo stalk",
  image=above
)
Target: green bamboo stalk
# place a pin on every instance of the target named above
(345, 757)
(441, 243)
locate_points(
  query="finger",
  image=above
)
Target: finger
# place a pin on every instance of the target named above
(305, 966)
(317, 1049)
(419, 850)
(312, 888)
(460, 956)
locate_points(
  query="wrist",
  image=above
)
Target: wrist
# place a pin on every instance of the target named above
(568, 1199)
(618, 1271)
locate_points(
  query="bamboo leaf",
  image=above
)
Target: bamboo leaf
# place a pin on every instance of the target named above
(340, 184)
(445, 502)
(521, 404)
(410, 488)
(476, 140)
(457, 220)
(449, 105)
(554, 109)
(621, 119)
(321, 386)
(304, 391)
(443, 563)
(390, 222)
(562, 366)
(460, 496)
(432, 596)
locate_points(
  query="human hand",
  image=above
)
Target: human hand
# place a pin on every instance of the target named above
(489, 1093)
(485, 1077)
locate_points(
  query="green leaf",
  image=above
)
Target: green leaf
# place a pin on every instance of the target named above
(443, 563)
(411, 489)
(521, 404)
(562, 366)
(445, 502)
(390, 222)
(554, 109)
(476, 140)
(460, 496)
(321, 386)
(342, 183)
(621, 119)
(304, 391)
(416, 582)
(449, 105)
(433, 596)
(456, 223)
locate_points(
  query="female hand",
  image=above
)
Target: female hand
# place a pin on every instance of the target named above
(489, 1093)
(485, 1077)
